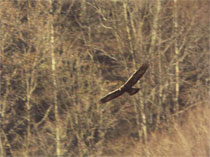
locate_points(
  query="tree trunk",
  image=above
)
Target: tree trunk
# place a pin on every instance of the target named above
(176, 54)
(53, 67)
(139, 110)
(155, 30)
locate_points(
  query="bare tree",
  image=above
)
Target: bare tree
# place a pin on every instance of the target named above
(139, 110)
(54, 78)
(177, 54)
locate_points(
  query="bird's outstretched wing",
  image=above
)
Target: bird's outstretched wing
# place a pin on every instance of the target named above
(111, 95)
(127, 87)
(136, 76)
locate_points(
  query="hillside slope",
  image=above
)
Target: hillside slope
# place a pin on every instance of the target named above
(189, 135)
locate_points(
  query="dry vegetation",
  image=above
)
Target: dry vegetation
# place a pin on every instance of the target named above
(189, 135)
(59, 57)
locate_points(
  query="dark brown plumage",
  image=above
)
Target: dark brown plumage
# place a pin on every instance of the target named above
(127, 87)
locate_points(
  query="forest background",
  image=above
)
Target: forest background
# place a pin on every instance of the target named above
(59, 57)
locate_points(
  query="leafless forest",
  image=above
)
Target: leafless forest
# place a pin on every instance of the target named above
(59, 57)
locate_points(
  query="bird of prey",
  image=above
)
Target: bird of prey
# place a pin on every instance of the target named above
(128, 86)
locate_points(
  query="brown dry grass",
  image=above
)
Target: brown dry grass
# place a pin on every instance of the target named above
(189, 135)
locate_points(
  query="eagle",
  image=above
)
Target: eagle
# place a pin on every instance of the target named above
(128, 85)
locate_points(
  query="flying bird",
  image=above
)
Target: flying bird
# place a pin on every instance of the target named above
(128, 86)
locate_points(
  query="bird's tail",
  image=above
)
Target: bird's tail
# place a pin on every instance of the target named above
(132, 91)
